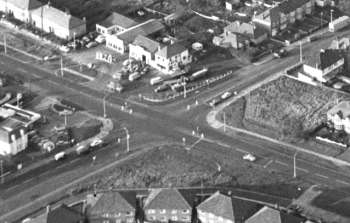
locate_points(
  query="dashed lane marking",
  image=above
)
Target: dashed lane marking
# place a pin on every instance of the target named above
(241, 150)
(281, 163)
(302, 169)
(268, 163)
(343, 182)
(322, 176)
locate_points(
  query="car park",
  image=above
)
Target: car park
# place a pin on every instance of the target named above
(249, 157)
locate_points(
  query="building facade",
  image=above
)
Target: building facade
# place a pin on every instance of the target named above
(114, 24)
(19, 9)
(164, 205)
(339, 116)
(60, 23)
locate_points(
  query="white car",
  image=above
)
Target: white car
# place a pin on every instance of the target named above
(100, 39)
(249, 157)
(96, 142)
(226, 95)
(91, 44)
(64, 49)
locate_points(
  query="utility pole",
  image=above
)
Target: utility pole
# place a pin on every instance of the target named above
(65, 119)
(331, 15)
(301, 52)
(184, 85)
(224, 121)
(75, 45)
(2, 171)
(104, 106)
(61, 66)
(5, 44)
(127, 139)
(295, 165)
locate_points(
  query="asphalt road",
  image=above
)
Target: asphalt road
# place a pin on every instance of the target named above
(172, 124)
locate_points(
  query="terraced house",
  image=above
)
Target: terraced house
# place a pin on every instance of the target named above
(164, 205)
(19, 9)
(60, 23)
(281, 15)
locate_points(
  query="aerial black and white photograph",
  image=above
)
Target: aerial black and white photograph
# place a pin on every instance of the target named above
(174, 111)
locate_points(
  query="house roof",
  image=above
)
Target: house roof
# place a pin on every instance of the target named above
(114, 202)
(289, 6)
(269, 215)
(119, 20)
(342, 43)
(229, 208)
(147, 28)
(147, 43)
(25, 4)
(329, 57)
(65, 214)
(166, 199)
(171, 50)
(246, 29)
(60, 18)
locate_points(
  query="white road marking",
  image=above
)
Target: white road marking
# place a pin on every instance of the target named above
(21, 70)
(241, 150)
(302, 169)
(73, 161)
(223, 144)
(13, 187)
(322, 176)
(28, 180)
(282, 163)
(343, 182)
(268, 163)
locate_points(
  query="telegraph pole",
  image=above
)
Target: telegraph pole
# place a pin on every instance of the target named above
(295, 165)
(61, 66)
(5, 44)
(301, 52)
(127, 139)
(104, 106)
(224, 121)
(2, 171)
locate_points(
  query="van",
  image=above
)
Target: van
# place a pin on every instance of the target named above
(156, 80)
(59, 156)
(134, 76)
(82, 149)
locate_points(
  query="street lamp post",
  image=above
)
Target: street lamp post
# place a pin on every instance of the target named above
(295, 165)
(301, 52)
(75, 44)
(5, 44)
(2, 171)
(224, 121)
(127, 139)
(104, 105)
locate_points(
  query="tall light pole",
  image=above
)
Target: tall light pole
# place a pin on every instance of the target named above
(224, 121)
(75, 45)
(5, 44)
(331, 15)
(301, 52)
(321, 20)
(2, 171)
(127, 139)
(61, 66)
(295, 165)
(104, 105)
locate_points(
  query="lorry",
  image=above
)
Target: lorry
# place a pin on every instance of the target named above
(198, 74)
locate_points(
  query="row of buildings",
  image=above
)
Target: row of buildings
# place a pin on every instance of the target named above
(171, 205)
(124, 35)
(264, 23)
(45, 17)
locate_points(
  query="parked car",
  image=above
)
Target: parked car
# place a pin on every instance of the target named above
(280, 54)
(160, 88)
(96, 143)
(65, 48)
(213, 102)
(226, 95)
(134, 76)
(100, 39)
(59, 156)
(82, 149)
(91, 44)
(249, 157)
(156, 80)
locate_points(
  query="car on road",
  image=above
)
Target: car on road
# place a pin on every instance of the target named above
(96, 143)
(82, 149)
(226, 95)
(91, 44)
(281, 53)
(249, 157)
(59, 156)
(64, 49)
(213, 102)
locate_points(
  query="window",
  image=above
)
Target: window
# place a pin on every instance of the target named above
(186, 218)
(163, 219)
(163, 211)
(129, 213)
(130, 220)
(185, 211)
(105, 221)
(118, 221)
(173, 211)
(174, 218)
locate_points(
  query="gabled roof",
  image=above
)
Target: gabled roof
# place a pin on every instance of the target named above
(229, 208)
(147, 28)
(60, 18)
(64, 214)
(25, 4)
(168, 199)
(147, 43)
(114, 202)
(329, 57)
(269, 215)
(171, 50)
(246, 29)
(119, 20)
(289, 6)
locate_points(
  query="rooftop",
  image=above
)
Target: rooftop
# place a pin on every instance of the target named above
(147, 43)
(147, 28)
(25, 4)
(166, 199)
(171, 50)
(288, 6)
(246, 29)
(65, 214)
(329, 57)
(342, 109)
(119, 20)
(115, 202)
(269, 215)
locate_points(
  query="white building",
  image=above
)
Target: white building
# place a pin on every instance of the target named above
(13, 128)
(144, 49)
(120, 42)
(60, 23)
(339, 23)
(339, 115)
(114, 24)
(331, 63)
(19, 9)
